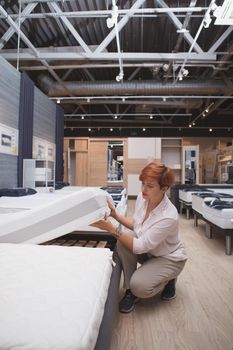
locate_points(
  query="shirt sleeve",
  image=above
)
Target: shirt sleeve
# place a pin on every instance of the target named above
(153, 236)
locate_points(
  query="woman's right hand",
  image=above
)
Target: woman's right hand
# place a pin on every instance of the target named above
(112, 208)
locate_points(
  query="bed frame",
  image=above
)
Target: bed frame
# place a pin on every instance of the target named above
(111, 308)
(111, 305)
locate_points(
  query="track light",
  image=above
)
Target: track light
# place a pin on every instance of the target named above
(183, 73)
(112, 20)
(207, 20)
(120, 76)
(58, 101)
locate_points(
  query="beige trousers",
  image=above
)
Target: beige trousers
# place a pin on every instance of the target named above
(151, 276)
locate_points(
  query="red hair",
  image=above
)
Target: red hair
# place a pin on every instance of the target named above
(156, 171)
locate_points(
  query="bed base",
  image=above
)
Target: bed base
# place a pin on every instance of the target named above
(228, 233)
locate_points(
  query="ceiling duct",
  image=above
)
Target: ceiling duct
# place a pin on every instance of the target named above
(109, 88)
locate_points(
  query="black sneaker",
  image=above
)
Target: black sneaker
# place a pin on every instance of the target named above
(169, 291)
(128, 302)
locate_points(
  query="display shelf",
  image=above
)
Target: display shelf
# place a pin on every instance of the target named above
(38, 173)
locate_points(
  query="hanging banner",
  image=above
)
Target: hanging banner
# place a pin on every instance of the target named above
(8, 140)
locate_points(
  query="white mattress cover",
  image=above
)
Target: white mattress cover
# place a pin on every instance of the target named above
(44, 216)
(198, 202)
(222, 218)
(186, 196)
(52, 298)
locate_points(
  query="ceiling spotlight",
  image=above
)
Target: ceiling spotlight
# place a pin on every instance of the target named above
(207, 110)
(120, 76)
(112, 20)
(58, 100)
(165, 67)
(115, 117)
(89, 129)
(88, 100)
(185, 72)
(111, 129)
(151, 116)
(164, 99)
(190, 125)
(144, 129)
(194, 123)
(203, 114)
(123, 99)
(82, 117)
(207, 20)
(210, 130)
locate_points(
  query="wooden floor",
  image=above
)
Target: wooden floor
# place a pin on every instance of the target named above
(201, 316)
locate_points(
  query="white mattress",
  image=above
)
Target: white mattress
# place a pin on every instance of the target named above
(186, 194)
(52, 298)
(220, 217)
(44, 216)
(198, 199)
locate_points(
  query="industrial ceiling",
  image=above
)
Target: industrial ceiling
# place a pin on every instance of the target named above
(127, 68)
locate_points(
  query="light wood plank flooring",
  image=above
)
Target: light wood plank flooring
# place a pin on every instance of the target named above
(201, 316)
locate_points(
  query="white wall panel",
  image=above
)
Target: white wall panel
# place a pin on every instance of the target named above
(142, 147)
(134, 185)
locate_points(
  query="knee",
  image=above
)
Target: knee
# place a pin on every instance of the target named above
(138, 289)
(144, 290)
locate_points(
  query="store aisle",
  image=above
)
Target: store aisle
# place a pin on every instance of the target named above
(201, 317)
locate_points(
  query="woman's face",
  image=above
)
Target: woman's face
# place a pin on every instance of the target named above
(151, 190)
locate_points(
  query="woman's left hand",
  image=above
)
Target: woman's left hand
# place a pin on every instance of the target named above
(105, 225)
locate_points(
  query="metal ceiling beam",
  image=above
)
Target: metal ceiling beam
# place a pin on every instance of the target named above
(121, 24)
(110, 56)
(178, 25)
(107, 13)
(71, 28)
(221, 39)
(95, 65)
(6, 37)
(32, 47)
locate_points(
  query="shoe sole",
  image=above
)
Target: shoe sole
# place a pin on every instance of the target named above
(167, 299)
(124, 311)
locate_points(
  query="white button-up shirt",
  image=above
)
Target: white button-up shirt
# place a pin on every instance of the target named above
(158, 235)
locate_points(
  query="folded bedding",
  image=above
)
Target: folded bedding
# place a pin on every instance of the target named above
(52, 297)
